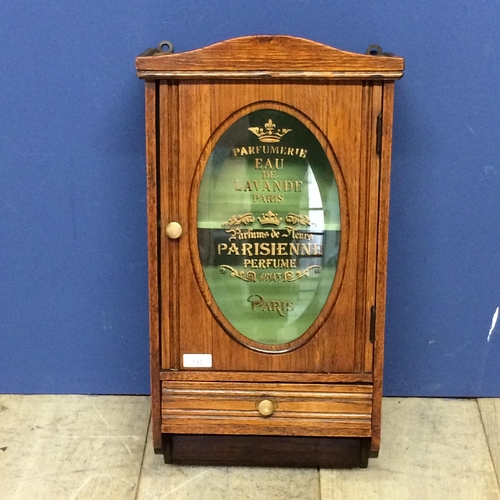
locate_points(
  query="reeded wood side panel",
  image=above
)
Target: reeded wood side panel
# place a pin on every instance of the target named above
(168, 116)
(368, 209)
(268, 56)
(300, 410)
(383, 241)
(152, 213)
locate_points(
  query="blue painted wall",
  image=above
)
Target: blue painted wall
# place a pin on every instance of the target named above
(73, 283)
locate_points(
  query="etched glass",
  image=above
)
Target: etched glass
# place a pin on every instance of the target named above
(269, 226)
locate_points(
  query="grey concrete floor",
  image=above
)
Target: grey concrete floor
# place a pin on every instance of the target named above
(99, 447)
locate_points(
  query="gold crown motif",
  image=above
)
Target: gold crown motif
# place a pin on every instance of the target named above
(269, 135)
(269, 218)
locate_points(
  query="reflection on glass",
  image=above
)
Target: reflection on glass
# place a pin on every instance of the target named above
(269, 226)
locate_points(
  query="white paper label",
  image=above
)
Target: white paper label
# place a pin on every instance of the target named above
(197, 360)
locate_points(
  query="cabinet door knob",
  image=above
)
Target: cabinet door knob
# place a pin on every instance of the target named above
(266, 408)
(173, 230)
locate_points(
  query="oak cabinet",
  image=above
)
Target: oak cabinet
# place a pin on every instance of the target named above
(268, 163)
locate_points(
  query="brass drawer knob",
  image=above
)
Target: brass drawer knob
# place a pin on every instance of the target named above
(173, 230)
(266, 408)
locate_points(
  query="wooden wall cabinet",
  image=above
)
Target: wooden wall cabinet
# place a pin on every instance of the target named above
(268, 163)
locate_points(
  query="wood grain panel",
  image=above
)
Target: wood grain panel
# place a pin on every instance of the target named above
(195, 128)
(269, 56)
(334, 352)
(344, 126)
(306, 409)
(235, 376)
(277, 451)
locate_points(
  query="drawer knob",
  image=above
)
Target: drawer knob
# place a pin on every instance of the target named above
(173, 230)
(266, 408)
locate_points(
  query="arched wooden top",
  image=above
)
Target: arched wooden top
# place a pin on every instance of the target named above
(268, 56)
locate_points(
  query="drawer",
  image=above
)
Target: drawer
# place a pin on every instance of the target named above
(266, 408)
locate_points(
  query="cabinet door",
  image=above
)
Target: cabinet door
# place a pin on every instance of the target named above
(275, 186)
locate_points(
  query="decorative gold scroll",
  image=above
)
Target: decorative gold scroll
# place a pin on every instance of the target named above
(236, 220)
(298, 219)
(291, 276)
(242, 275)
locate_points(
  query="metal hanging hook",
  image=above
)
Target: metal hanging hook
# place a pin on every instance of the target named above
(374, 50)
(166, 47)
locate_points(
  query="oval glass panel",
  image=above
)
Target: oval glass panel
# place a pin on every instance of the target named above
(269, 226)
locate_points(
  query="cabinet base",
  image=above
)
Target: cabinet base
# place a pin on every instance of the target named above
(275, 451)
